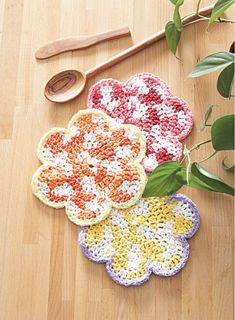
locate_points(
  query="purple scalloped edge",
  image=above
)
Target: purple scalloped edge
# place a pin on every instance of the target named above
(150, 269)
(196, 224)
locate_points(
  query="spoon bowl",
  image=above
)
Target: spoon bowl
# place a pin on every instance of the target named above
(65, 86)
(68, 84)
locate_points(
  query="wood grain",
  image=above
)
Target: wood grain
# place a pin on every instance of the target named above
(78, 42)
(69, 84)
(43, 273)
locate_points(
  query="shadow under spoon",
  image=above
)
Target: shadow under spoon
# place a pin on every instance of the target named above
(68, 84)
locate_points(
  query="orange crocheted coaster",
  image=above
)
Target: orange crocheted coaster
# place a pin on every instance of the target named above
(90, 167)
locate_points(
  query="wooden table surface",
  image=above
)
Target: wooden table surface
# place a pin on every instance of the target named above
(43, 274)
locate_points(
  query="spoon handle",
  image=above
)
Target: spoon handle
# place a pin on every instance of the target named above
(147, 42)
(73, 43)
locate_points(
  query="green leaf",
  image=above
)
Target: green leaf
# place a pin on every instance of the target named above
(172, 36)
(212, 63)
(225, 81)
(219, 8)
(222, 133)
(206, 117)
(216, 184)
(194, 182)
(163, 180)
(232, 168)
(177, 19)
(179, 3)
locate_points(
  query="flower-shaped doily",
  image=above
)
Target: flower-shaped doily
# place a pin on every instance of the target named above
(90, 167)
(148, 237)
(146, 101)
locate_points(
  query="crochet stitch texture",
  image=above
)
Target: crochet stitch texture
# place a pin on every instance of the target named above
(90, 167)
(147, 102)
(149, 237)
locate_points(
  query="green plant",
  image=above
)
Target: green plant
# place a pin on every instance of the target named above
(214, 62)
(174, 27)
(170, 176)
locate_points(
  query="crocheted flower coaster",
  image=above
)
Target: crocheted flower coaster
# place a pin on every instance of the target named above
(90, 167)
(148, 237)
(146, 101)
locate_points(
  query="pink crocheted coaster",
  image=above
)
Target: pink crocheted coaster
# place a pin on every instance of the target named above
(146, 101)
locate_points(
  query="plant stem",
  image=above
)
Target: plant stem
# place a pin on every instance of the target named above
(219, 20)
(188, 151)
(199, 144)
(198, 6)
(207, 158)
(202, 18)
(188, 167)
(224, 20)
(192, 22)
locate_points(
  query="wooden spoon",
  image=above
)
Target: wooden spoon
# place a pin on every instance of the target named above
(68, 84)
(73, 43)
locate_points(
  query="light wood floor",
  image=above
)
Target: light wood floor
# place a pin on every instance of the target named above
(43, 274)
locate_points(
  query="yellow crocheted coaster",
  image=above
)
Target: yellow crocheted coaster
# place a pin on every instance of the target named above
(150, 237)
(90, 167)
